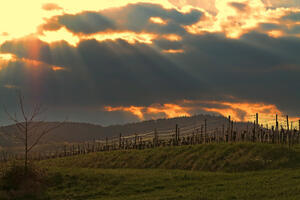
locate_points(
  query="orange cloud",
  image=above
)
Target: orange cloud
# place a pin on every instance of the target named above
(57, 68)
(51, 6)
(29, 62)
(31, 14)
(7, 56)
(11, 86)
(244, 111)
(73, 39)
(237, 17)
(172, 37)
(173, 51)
(275, 33)
(59, 35)
(129, 36)
(137, 111)
(168, 110)
(239, 111)
(158, 20)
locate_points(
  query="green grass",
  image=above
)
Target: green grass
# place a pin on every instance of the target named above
(201, 172)
(212, 157)
(153, 184)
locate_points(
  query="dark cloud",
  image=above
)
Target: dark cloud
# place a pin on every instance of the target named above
(86, 22)
(134, 17)
(294, 16)
(255, 67)
(241, 7)
(110, 73)
(51, 25)
(249, 68)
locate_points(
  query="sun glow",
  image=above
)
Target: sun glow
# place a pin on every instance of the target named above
(7, 56)
(31, 14)
(129, 36)
(59, 35)
(158, 20)
(237, 17)
(276, 33)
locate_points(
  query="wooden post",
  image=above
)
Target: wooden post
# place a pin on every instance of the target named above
(231, 131)
(287, 123)
(298, 131)
(176, 134)
(155, 138)
(135, 141)
(277, 122)
(65, 150)
(201, 133)
(229, 127)
(257, 119)
(106, 143)
(254, 132)
(205, 130)
(223, 132)
(120, 141)
(288, 136)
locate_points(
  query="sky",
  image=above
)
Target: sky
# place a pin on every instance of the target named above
(119, 61)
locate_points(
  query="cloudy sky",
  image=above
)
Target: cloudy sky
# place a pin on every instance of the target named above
(121, 61)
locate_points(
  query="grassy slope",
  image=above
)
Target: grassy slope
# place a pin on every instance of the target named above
(80, 177)
(154, 184)
(212, 157)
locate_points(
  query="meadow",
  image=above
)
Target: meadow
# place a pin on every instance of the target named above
(212, 171)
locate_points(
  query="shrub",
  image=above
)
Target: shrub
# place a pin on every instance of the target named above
(19, 183)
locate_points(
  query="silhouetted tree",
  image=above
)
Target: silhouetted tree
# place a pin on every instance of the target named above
(30, 128)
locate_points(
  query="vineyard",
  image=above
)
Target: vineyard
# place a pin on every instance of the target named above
(220, 130)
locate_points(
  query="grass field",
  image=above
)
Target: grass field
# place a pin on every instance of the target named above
(202, 172)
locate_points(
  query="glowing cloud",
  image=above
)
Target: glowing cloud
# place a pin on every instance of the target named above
(137, 111)
(244, 111)
(129, 36)
(239, 111)
(237, 17)
(57, 68)
(11, 86)
(276, 33)
(7, 56)
(158, 20)
(168, 110)
(173, 51)
(61, 34)
(51, 6)
(172, 37)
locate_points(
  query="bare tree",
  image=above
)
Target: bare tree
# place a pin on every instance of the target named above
(31, 128)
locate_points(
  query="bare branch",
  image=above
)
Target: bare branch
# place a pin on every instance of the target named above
(21, 99)
(46, 131)
(14, 119)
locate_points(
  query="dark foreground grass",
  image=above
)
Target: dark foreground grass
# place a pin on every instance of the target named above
(201, 172)
(153, 184)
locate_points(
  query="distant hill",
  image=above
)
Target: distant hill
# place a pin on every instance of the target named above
(72, 132)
